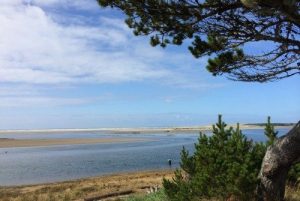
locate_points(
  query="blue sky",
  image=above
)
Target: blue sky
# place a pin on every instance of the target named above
(70, 64)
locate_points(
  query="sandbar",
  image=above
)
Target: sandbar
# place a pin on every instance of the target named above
(6, 142)
(170, 130)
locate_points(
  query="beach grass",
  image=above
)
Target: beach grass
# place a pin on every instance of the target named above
(78, 190)
(137, 182)
(157, 196)
(292, 194)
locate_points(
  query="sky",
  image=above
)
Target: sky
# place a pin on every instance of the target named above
(72, 64)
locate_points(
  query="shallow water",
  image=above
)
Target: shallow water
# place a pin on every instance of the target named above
(58, 163)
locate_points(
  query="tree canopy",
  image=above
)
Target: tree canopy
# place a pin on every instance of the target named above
(223, 30)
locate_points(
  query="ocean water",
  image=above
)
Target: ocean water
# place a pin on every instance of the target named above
(59, 163)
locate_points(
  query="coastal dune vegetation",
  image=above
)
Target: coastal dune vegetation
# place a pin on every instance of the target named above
(87, 189)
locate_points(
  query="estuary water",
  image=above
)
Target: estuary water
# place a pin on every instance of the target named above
(33, 165)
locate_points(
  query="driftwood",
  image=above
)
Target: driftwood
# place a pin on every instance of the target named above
(108, 195)
(275, 166)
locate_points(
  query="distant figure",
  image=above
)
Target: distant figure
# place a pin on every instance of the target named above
(6, 152)
(170, 162)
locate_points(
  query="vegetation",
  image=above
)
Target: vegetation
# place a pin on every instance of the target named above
(292, 194)
(274, 124)
(157, 196)
(223, 166)
(85, 188)
(55, 192)
(222, 30)
(270, 132)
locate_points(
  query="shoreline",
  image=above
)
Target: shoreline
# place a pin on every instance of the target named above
(138, 182)
(7, 142)
(10, 143)
(134, 130)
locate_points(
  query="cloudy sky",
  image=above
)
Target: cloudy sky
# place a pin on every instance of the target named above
(71, 64)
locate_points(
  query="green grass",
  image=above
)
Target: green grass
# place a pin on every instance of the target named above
(292, 194)
(158, 196)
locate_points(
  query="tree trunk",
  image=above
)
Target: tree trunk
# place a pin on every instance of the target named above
(275, 166)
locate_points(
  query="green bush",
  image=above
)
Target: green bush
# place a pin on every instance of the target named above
(293, 178)
(224, 165)
(270, 133)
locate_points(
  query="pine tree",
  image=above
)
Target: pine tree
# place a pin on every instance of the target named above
(220, 30)
(270, 132)
(224, 165)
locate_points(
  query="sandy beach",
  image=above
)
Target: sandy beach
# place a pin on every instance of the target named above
(135, 130)
(6, 142)
(104, 186)
(11, 142)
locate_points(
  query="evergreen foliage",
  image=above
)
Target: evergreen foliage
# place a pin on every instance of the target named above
(224, 165)
(221, 30)
(270, 132)
(294, 175)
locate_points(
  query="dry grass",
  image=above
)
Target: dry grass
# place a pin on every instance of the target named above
(293, 194)
(80, 189)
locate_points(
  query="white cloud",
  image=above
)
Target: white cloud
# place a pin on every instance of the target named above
(38, 46)
(37, 49)
(17, 91)
(79, 4)
(39, 101)
(44, 96)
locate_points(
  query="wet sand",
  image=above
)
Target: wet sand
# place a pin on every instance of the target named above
(6, 142)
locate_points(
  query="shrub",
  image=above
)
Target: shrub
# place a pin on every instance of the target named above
(293, 177)
(224, 165)
(270, 132)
